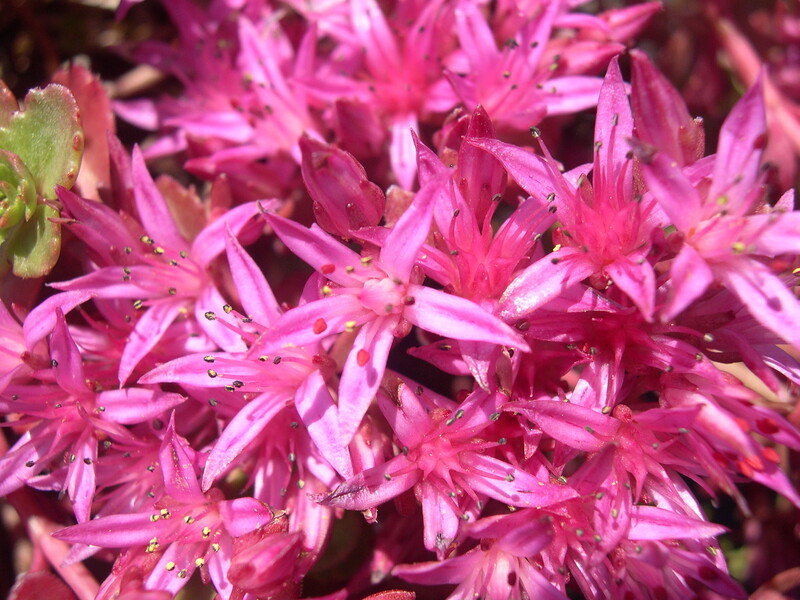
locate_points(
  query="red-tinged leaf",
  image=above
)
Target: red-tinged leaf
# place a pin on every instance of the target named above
(40, 584)
(653, 523)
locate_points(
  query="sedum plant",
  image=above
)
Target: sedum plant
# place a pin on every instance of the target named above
(41, 144)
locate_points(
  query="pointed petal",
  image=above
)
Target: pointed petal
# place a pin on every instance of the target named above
(400, 250)
(246, 426)
(402, 152)
(741, 143)
(653, 523)
(362, 376)
(458, 318)
(81, 478)
(129, 406)
(117, 531)
(67, 360)
(767, 298)
(317, 248)
(177, 467)
(543, 281)
(149, 330)
(210, 300)
(634, 275)
(244, 221)
(153, 211)
(524, 167)
(512, 486)
(42, 319)
(373, 487)
(255, 293)
(690, 276)
(316, 408)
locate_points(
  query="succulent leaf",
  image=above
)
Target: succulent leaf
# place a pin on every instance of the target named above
(46, 134)
(35, 245)
(17, 192)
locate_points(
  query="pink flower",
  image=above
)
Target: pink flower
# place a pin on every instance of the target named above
(382, 296)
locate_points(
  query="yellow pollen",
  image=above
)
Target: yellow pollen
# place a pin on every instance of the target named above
(215, 547)
(349, 326)
(738, 247)
(170, 566)
(557, 247)
(165, 513)
(158, 250)
(349, 269)
(326, 290)
(154, 518)
(365, 260)
(206, 532)
(199, 562)
(188, 519)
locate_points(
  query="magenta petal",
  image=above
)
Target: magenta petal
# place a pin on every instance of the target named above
(570, 94)
(129, 406)
(296, 326)
(178, 468)
(634, 275)
(741, 142)
(153, 210)
(66, 357)
(149, 330)
(117, 531)
(527, 169)
(439, 517)
(400, 250)
(576, 426)
(246, 426)
(543, 281)
(512, 486)
(315, 406)
(244, 515)
(767, 298)
(613, 127)
(81, 477)
(42, 319)
(243, 220)
(255, 294)
(690, 277)
(317, 248)
(211, 300)
(361, 378)
(374, 486)
(402, 152)
(458, 318)
(671, 188)
(652, 523)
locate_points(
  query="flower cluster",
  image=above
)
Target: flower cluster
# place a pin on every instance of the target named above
(530, 376)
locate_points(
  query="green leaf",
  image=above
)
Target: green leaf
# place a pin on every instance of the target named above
(35, 246)
(46, 134)
(17, 191)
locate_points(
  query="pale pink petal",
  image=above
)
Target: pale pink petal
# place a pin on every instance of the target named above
(767, 298)
(402, 152)
(153, 210)
(317, 410)
(690, 277)
(653, 523)
(362, 374)
(42, 319)
(177, 467)
(458, 318)
(246, 426)
(81, 477)
(149, 330)
(634, 275)
(244, 221)
(543, 281)
(255, 293)
(210, 300)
